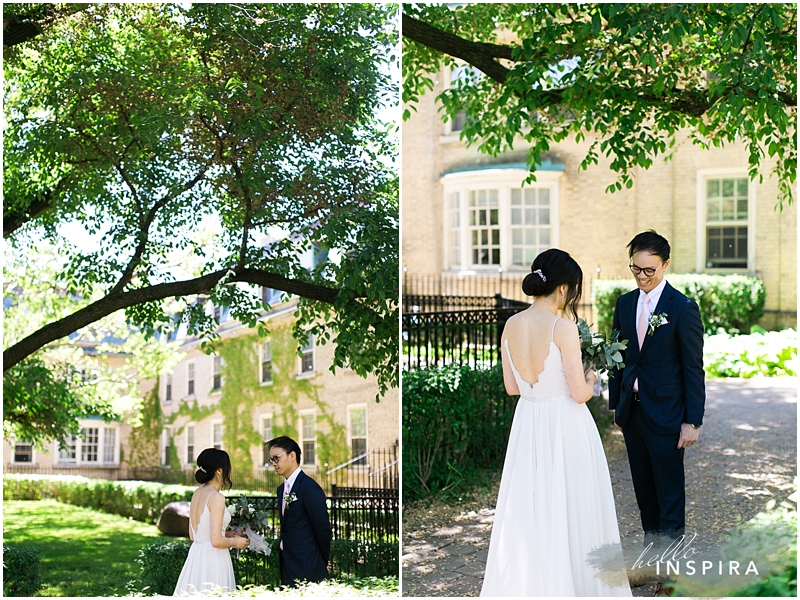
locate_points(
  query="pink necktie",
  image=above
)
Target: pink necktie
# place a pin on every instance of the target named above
(641, 330)
(644, 319)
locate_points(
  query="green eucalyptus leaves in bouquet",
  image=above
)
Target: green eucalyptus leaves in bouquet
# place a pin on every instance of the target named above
(598, 352)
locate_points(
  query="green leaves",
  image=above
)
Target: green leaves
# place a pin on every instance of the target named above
(724, 73)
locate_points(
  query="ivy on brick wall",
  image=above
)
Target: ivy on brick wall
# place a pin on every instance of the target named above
(238, 401)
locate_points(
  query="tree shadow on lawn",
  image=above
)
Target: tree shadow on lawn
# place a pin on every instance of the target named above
(84, 552)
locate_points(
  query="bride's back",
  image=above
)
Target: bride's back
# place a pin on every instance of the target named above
(529, 334)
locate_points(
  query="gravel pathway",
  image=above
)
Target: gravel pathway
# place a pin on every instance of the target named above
(746, 456)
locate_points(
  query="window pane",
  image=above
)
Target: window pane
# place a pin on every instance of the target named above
(516, 196)
(492, 197)
(495, 237)
(516, 236)
(472, 198)
(544, 237)
(530, 254)
(90, 442)
(530, 237)
(482, 217)
(713, 210)
(727, 188)
(516, 256)
(530, 196)
(481, 197)
(484, 237)
(23, 452)
(741, 209)
(493, 217)
(530, 216)
(496, 256)
(712, 188)
(727, 210)
(544, 216)
(358, 422)
(544, 197)
(742, 185)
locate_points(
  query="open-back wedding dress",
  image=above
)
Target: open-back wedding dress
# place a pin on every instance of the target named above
(206, 567)
(555, 504)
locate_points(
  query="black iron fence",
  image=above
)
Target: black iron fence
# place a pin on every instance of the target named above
(507, 285)
(361, 515)
(463, 337)
(376, 469)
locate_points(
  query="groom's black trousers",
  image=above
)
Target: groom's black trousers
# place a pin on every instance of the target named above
(658, 476)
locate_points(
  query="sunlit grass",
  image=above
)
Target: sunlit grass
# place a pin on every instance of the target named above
(84, 552)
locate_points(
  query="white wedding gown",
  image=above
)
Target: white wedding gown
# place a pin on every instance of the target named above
(206, 567)
(555, 504)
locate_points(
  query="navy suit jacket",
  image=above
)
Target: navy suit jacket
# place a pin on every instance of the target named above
(669, 365)
(305, 532)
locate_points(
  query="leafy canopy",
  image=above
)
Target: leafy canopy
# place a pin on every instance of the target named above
(631, 75)
(139, 122)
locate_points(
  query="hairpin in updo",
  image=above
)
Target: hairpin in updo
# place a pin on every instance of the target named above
(202, 469)
(539, 273)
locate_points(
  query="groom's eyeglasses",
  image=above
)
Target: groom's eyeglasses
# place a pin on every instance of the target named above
(648, 271)
(274, 459)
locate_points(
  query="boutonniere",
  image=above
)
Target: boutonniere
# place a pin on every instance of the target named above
(656, 321)
(289, 498)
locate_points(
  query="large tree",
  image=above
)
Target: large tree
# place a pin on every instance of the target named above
(140, 122)
(631, 75)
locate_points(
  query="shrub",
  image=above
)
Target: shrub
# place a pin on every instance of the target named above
(455, 420)
(139, 500)
(161, 566)
(162, 563)
(21, 576)
(766, 354)
(732, 303)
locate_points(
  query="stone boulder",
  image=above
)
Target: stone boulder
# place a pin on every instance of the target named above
(174, 519)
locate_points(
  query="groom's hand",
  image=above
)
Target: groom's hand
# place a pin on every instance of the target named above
(688, 436)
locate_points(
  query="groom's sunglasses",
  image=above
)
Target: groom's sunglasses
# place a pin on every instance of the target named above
(648, 271)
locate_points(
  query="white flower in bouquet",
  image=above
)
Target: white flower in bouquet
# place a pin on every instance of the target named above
(231, 510)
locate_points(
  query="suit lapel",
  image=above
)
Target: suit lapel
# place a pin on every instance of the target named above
(664, 302)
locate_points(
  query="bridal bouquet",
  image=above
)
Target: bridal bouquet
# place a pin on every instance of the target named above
(598, 352)
(250, 520)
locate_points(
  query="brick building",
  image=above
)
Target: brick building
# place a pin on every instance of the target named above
(465, 216)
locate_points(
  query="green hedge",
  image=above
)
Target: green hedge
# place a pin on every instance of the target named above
(162, 562)
(732, 303)
(455, 420)
(760, 354)
(21, 575)
(139, 500)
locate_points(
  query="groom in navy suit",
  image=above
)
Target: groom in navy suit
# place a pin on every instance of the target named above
(305, 542)
(659, 396)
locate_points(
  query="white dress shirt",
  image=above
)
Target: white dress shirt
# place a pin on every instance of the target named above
(654, 296)
(288, 483)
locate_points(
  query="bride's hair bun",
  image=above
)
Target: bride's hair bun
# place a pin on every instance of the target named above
(535, 284)
(202, 475)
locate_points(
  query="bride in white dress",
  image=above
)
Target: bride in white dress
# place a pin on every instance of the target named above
(208, 564)
(555, 504)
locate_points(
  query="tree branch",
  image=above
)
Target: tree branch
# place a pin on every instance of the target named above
(201, 285)
(478, 54)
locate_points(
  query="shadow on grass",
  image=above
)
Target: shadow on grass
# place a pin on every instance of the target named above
(84, 552)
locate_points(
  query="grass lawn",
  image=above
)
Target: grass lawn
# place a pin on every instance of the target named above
(84, 552)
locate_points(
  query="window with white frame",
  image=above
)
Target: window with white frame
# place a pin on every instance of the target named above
(166, 441)
(168, 390)
(98, 444)
(190, 379)
(493, 223)
(266, 436)
(69, 453)
(307, 360)
(357, 428)
(308, 441)
(23, 452)
(90, 445)
(266, 362)
(216, 383)
(216, 435)
(109, 445)
(189, 444)
(726, 226)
